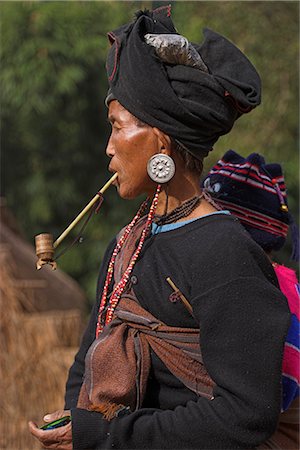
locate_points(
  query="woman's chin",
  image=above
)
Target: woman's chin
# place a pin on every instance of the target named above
(127, 194)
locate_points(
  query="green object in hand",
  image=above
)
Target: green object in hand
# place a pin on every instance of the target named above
(56, 423)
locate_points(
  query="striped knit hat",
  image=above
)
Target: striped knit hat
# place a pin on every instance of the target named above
(255, 192)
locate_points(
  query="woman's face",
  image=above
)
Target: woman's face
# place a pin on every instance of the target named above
(130, 146)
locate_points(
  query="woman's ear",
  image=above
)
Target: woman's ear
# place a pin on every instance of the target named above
(163, 141)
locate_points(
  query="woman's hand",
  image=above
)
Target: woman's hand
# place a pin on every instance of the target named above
(58, 438)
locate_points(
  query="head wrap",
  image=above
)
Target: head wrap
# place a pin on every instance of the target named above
(194, 102)
(255, 192)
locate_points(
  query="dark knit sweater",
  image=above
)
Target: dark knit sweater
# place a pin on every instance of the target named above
(243, 320)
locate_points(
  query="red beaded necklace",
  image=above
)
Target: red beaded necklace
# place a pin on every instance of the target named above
(119, 289)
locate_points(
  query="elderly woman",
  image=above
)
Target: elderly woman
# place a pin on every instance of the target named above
(184, 345)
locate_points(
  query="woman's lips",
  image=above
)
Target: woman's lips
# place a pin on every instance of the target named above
(116, 181)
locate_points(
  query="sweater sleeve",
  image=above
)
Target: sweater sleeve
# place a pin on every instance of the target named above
(243, 324)
(76, 371)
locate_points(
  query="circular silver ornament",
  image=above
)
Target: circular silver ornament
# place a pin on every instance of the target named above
(161, 168)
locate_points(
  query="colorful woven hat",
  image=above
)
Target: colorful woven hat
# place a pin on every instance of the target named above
(255, 192)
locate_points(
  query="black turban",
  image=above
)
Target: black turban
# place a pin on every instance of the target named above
(193, 107)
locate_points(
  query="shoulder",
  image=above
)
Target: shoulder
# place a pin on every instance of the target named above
(222, 250)
(219, 237)
(222, 229)
(214, 243)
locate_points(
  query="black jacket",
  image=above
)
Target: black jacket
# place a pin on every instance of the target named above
(243, 320)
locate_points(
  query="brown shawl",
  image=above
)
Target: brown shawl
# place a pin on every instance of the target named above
(118, 362)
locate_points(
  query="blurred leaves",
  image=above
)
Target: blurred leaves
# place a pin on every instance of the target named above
(53, 118)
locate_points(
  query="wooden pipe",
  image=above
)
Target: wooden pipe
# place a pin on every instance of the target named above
(44, 242)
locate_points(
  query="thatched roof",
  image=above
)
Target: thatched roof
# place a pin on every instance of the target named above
(40, 329)
(48, 289)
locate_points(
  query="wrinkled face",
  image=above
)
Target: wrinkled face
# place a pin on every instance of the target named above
(130, 146)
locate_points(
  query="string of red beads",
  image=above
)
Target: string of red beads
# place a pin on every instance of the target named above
(119, 289)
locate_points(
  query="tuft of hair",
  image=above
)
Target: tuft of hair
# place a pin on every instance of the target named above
(144, 12)
(191, 162)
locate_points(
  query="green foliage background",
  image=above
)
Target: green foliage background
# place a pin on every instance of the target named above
(53, 119)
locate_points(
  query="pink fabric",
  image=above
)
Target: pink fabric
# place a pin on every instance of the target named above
(288, 285)
(290, 364)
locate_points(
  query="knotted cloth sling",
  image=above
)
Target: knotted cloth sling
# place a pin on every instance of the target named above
(118, 362)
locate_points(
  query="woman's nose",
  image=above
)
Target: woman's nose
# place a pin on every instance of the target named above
(110, 149)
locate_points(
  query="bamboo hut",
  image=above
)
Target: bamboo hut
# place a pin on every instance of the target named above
(40, 328)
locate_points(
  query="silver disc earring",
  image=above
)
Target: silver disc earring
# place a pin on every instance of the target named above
(161, 168)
